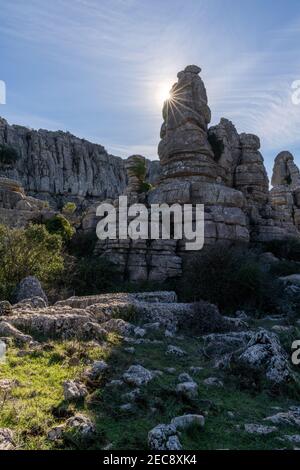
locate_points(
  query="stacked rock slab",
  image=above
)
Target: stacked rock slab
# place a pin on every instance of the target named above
(285, 194)
(17, 209)
(140, 260)
(191, 173)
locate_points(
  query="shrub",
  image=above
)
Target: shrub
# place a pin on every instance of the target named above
(285, 268)
(24, 252)
(82, 245)
(61, 226)
(140, 171)
(287, 249)
(69, 208)
(92, 276)
(230, 277)
(8, 155)
(205, 318)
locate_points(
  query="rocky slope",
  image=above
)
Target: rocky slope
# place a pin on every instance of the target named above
(122, 371)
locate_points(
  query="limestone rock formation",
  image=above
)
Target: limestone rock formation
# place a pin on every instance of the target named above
(59, 165)
(17, 209)
(285, 194)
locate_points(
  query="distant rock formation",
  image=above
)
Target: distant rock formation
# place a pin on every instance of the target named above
(17, 209)
(215, 166)
(59, 167)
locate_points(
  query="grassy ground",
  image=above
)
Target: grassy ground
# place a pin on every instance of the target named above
(36, 404)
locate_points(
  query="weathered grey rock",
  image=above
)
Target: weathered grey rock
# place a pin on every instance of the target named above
(175, 351)
(183, 422)
(5, 308)
(184, 377)
(260, 429)
(6, 439)
(74, 390)
(28, 288)
(294, 438)
(80, 425)
(213, 382)
(33, 302)
(96, 370)
(164, 437)
(137, 375)
(187, 389)
(265, 354)
(8, 330)
(286, 418)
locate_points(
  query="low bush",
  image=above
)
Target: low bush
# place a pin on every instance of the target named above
(232, 278)
(287, 249)
(285, 268)
(59, 225)
(30, 251)
(8, 155)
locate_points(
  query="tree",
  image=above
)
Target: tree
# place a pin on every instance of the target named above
(30, 251)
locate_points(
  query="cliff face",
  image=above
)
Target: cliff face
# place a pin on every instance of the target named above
(57, 165)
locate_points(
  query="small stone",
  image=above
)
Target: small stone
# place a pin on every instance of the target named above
(133, 395)
(259, 429)
(213, 382)
(127, 407)
(175, 351)
(170, 370)
(130, 350)
(6, 439)
(74, 390)
(137, 375)
(139, 332)
(184, 377)
(95, 371)
(185, 421)
(164, 437)
(56, 433)
(188, 389)
(81, 426)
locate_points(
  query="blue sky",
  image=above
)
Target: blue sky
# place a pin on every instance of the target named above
(96, 68)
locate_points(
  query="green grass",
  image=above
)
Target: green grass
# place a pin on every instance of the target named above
(36, 405)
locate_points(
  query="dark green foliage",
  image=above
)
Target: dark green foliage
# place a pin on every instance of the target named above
(140, 171)
(30, 251)
(8, 155)
(232, 278)
(287, 249)
(61, 226)
(82, 244)
(285, 268)
(92, 275)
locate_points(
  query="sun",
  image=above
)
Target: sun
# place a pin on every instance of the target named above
(163, 92)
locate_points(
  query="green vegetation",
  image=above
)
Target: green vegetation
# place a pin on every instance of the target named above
(28, 251)
(36, 404)
(59, 225)
(8, 155)
(69, 208)
(287, 249)
(140, 171)
(231, 277)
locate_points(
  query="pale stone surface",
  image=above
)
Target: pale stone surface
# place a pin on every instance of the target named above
(185, 421)
(28, 288)
(6, 439)
(137, 375)
(164, 437)
(260, 429)
(74, 390)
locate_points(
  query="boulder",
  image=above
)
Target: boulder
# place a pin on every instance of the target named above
(137, 375)
(28, 288)
(74, 390)
(164, 437)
